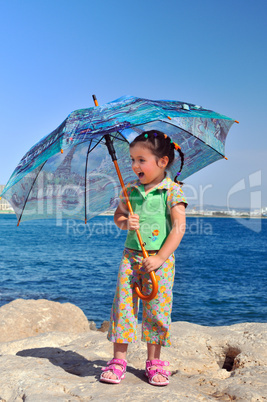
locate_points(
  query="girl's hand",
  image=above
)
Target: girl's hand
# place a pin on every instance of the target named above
(153, 262)
(133, 222)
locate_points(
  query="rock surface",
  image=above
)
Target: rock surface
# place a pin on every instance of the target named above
(23, 318)
(207, 364)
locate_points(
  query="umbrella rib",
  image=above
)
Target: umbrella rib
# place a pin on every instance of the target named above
(30, 192)
(85, 180)
(123, 139)
(86, 164)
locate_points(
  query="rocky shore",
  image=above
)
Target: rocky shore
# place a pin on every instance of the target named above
(50, 354)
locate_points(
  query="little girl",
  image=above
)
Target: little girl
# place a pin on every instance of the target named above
(159, 213)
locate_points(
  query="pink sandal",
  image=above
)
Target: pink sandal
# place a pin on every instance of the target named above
(111, 367)
(151, 373)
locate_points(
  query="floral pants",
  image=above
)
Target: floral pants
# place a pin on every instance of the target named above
(156, 313)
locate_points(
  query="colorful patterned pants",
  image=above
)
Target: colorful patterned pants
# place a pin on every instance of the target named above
(156, 313)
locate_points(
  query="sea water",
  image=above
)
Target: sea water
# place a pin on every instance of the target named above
(220, 279)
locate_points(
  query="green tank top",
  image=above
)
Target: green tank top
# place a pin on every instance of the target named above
(154, 218)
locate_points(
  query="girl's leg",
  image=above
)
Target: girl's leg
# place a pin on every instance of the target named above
(123, 322)
(120, 351)
(124, 312)
(153, 352)
(157, 313)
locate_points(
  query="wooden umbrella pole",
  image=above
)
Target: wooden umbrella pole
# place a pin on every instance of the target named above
(152, 275)
(145, 253)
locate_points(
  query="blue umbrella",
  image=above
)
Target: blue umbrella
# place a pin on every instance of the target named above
(69, 173)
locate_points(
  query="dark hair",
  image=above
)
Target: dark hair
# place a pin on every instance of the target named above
(160, 145)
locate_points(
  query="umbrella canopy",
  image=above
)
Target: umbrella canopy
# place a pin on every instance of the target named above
(69, 173)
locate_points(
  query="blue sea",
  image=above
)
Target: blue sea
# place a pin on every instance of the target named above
(221, 267)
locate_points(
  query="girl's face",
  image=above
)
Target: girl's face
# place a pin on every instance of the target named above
(148, 168)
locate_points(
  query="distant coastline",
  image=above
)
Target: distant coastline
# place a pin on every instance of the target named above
(7, 212)
(206, 214)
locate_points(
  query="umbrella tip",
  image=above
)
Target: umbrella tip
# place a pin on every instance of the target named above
(225, 158)
(61, 151)
(95, 100)
(18, 222)
(236, 121)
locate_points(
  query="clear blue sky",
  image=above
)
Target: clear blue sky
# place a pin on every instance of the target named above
(56, 54)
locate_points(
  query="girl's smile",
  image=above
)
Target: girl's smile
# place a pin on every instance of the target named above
(149, 169)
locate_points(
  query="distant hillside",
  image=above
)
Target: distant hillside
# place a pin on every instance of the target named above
(210, 207)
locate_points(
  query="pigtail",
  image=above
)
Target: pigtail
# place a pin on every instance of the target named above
(181, 167)
(181, 154)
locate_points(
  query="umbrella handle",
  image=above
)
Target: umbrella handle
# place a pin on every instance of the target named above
(154, 287)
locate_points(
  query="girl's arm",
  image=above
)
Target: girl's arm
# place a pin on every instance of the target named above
(124, 220)
(173, 240)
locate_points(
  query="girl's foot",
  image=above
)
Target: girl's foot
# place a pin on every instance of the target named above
(155, 372)
(158, 377)
(114, 372)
